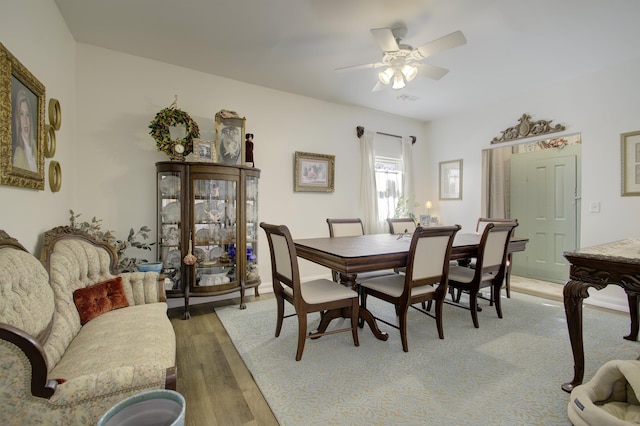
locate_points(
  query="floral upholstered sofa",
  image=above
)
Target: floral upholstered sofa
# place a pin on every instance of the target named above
(75, 337)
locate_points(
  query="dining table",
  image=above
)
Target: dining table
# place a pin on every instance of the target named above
(365, 253)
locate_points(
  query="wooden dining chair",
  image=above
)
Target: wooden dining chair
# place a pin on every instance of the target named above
(425, 279)
(482, 223)
(313, 296)
(489, 271)
(351, 227)
(404, 225)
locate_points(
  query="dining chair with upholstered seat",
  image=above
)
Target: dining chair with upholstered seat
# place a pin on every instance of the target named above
(480, 225)
(403, 225)
(490, 269)
(351, 227)
(425, 279)
(482, 222)
(313, 296)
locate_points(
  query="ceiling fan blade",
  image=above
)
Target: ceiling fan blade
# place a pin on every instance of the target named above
(378, 87)
(359, 67)
(449, 41)
(384, 38)
(431, 71)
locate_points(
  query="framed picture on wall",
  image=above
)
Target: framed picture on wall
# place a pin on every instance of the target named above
(22, 128)
(451, 180)
(630, 164)
(230, 129)
(313, 172)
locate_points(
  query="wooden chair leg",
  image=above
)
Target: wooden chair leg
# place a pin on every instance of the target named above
(473, 305)
(280, 304)
(497, 288)
(507, 278)
(403, 326)
(354, 321)
(302, 334)
(439, 306)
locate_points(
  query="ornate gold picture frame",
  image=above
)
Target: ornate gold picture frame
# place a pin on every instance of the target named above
(230, 130)
(22, 128)
(204, 150)
(314, 172)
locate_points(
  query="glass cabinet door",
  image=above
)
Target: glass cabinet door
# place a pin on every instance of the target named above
(214, 230)
(169, 232)
(252, 228)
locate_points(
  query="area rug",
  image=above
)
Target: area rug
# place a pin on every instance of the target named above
(507, 372)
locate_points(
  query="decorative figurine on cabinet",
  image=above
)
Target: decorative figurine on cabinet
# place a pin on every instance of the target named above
(249, 150)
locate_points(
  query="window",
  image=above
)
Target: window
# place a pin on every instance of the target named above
(388, 185)
(389, 176)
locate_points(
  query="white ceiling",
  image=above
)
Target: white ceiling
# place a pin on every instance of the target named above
(513, 46)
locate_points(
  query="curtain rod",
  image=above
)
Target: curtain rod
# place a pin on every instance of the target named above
(360, 132)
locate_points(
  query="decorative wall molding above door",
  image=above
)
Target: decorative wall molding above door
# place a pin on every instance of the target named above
(527, 128)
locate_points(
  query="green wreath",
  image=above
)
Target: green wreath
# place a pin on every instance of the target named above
(170, 117)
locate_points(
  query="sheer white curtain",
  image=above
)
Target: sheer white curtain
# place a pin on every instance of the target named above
(368, 190)
(407, 168)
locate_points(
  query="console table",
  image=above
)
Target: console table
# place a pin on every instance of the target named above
(615, 263)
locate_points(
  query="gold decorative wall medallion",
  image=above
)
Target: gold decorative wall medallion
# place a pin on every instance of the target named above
(55, 176)
(49, 141)
(55, 114)
(527, 128)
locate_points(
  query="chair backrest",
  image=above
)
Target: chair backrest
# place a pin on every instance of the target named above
(284, 260)
(483, 221)
(428, 260)
(493, 248)
(401, 225)
(345, 227)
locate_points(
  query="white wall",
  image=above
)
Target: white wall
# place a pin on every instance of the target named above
(35, 33)
(118, 96)
(600, 106)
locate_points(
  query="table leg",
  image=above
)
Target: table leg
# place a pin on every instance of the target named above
(349, 280)
(633, 312)
(367, 317)
(573, 294)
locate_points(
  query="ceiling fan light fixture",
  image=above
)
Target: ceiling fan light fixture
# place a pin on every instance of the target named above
(386, 76)
(409, 72)
(398, 81)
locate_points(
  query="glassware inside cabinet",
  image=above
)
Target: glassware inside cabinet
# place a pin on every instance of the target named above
(252, 227)
(214, 219)
(169, 228)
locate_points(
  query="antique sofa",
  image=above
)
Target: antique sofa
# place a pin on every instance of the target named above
(54, 369)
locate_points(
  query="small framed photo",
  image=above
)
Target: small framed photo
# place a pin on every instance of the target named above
(22, 128)
(451, 180)
(425, 220)
(630, 148)
(204, 150)
(230, 130)
(313, 172)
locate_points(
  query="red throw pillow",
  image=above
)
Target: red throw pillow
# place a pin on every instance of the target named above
(99, 298)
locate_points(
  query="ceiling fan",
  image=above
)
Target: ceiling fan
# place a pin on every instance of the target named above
(403, 61)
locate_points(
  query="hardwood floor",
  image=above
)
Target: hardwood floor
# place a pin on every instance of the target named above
(217, 386)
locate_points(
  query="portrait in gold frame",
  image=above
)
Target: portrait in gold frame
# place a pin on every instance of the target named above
(22, 128)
